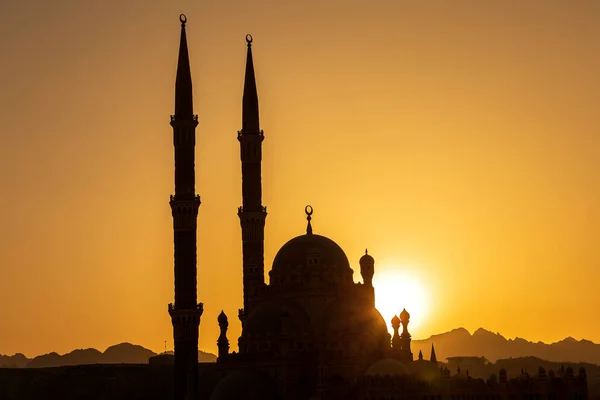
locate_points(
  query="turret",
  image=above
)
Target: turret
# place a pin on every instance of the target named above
(223, 342)
(367, 268)
(396, 341)
(405, 319)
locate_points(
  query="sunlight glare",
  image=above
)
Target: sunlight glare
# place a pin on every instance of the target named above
(397, 288)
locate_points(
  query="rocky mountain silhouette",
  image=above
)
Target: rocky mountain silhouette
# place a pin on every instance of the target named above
(494, 346)
(123, 353)
(458, 342)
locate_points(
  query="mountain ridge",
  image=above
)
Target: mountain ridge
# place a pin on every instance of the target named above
(122, 353)
(494, 346)
(454, 343)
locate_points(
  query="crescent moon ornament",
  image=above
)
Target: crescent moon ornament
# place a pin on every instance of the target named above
(308, 210)
(182, 18)
(249, 38)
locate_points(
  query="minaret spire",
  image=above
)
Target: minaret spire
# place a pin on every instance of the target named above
(252, 213)
(250, 119)
(184, 104)
(186, 311)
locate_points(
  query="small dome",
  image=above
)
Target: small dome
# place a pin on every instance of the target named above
(246, 385)
(366, 259)
(395, 321)
(299, 250)
(404, 315)
(222, 318)
(387, 367)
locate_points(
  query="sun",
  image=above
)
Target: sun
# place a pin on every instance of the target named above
(397, 288)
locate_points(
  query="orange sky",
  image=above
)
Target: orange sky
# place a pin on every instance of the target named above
(458, 141)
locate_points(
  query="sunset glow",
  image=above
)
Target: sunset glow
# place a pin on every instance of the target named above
(457, 140)
(396, 287)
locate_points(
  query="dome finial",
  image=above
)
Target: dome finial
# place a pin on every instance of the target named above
(183, 19)
(366, 252)
(308, 210)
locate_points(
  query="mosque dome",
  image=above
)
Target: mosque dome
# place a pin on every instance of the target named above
(310, 250)
(246, 385)
(387, 367)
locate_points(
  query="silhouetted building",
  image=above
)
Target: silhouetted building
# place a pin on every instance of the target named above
(311, 332)
(185, 312)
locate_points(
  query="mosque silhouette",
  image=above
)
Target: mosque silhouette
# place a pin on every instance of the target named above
(311, 332)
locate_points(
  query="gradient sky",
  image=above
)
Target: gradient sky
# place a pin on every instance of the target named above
(457, 140)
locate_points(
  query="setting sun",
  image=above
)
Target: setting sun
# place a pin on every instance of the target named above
(396, 287)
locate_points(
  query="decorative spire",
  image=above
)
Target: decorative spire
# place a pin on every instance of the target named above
(183, 83)
(308, 210)
(420, 355)
(433, 358)
(250, 120)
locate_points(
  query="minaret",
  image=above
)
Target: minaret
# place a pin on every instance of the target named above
(252, 213)
(185, 313)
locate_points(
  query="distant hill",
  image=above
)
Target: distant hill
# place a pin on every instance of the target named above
(17, 361)
(123, 353)
(203, 356)
(494, 346)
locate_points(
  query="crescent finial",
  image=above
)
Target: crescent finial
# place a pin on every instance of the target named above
(308, 210)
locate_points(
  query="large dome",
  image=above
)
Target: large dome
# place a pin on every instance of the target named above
(310, 250)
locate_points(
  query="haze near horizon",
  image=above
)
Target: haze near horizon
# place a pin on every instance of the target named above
(457, 142)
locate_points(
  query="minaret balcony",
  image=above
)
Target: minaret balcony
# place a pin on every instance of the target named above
(241, 133)
(178, 198)
(199, 309)
(263, 210)
(194, 118)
